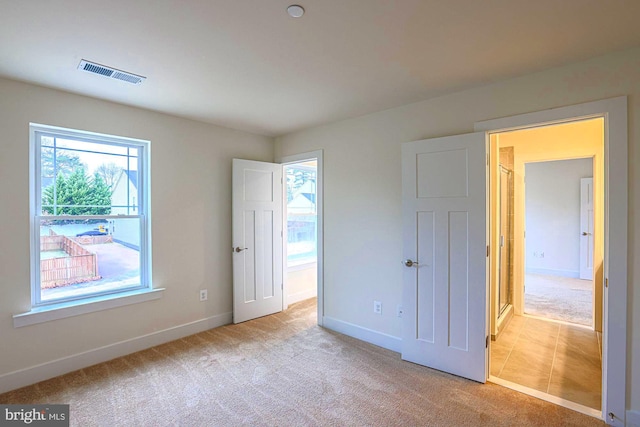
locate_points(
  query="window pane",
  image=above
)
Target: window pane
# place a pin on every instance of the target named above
(47, 140)
(124, 196)
(302, 218)
(88, 183)
(91, 146)
(80, 258)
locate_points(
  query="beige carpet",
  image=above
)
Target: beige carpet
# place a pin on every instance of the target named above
(559, 298)
(283, 370)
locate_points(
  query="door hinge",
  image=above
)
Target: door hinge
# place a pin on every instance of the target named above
(486, 343)
(487, 159)
(606, 282)
(487, 250)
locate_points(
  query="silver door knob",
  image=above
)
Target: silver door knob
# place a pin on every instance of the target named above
(410, 263)
(239, 249)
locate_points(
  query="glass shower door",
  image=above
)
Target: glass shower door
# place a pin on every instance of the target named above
(504, 282)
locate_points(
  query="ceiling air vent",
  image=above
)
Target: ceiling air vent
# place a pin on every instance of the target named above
(92, 67)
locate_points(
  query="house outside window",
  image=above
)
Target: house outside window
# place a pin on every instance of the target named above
(302, 213)
(89, 237)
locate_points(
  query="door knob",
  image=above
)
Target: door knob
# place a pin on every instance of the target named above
(410, 263)
(239, 249)
(584, 233)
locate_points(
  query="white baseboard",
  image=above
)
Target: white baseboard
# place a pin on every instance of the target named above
(633, 418)
(301, 296)
(44, 371)
(364, 334)
(551, 272)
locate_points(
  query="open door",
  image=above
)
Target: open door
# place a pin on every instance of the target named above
(257, 239)
(444, 203)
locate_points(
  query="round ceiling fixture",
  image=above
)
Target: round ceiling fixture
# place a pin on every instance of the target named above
(295, 11)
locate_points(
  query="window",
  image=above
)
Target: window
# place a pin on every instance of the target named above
(90, 228)
(302, 213)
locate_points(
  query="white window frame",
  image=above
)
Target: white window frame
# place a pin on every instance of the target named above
(60, 308)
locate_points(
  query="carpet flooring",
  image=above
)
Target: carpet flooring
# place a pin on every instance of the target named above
(283, 370)
(559, 298)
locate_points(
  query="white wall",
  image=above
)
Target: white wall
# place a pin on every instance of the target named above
(191, 221)
(363, 183)
(302, 282)
(552, 215)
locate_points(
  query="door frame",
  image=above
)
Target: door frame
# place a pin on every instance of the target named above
(614, 346)
(297, 158)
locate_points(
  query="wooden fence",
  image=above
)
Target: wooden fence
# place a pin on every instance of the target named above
(80, 266)
(51, 243)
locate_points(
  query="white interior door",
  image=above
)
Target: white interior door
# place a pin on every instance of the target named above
(586, 228)
(444, 202)
(257, 239)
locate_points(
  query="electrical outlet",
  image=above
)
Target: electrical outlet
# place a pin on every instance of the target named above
(399, 311)
(203, 295)
(377, 307)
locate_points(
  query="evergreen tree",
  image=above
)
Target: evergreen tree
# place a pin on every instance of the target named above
(100, 196)
(77, 195)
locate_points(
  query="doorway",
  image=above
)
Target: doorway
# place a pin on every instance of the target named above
(303, 225)
(448, 191)
(547, 343)
(559, 250)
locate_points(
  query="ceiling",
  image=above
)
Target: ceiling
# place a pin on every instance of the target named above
(247, 65)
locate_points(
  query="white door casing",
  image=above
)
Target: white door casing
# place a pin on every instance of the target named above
(444, 203)
(586, 228)
(256, 239)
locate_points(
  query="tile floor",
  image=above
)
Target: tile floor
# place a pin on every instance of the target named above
(559, 359)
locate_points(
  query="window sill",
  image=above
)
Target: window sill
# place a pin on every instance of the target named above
(89, 305)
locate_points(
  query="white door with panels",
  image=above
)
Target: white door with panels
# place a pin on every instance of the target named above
(257, 239)
(444, 193)
(586, 227)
